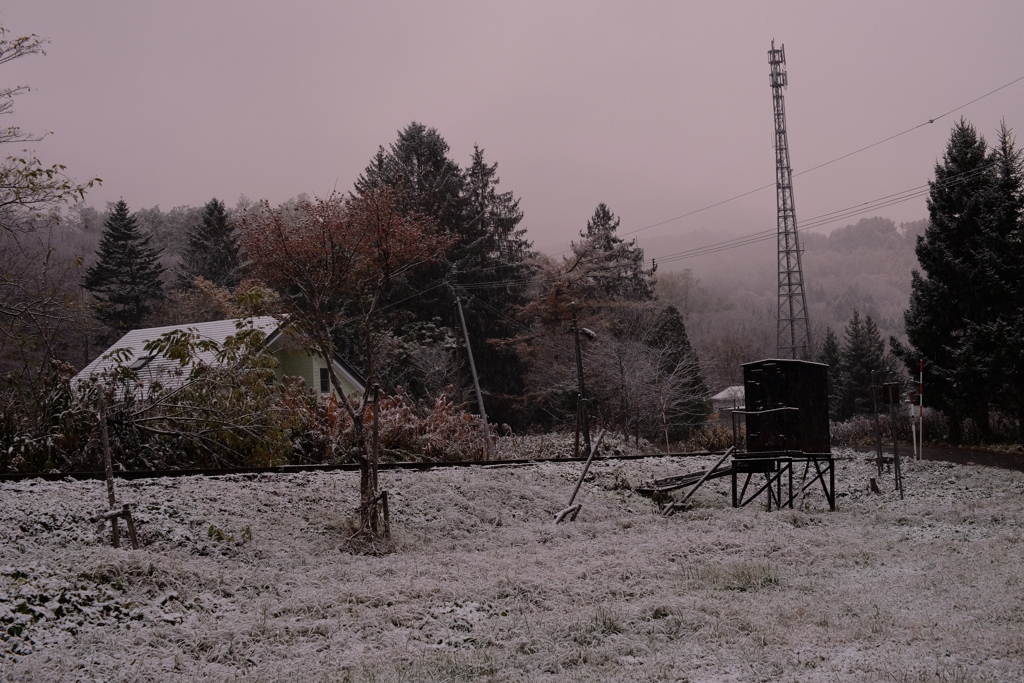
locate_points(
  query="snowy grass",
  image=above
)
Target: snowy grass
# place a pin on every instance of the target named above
(243, 579)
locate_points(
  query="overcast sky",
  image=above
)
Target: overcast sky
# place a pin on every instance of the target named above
(655, 108)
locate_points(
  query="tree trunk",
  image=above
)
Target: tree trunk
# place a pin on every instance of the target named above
(367, 491)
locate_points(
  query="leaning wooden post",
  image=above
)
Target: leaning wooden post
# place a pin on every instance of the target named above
(672, 506)
(571, 509)
(664, 421)
(489, 451)
(127, 514)
(109, 467)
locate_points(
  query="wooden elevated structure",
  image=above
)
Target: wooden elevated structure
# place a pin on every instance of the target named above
(780, 485)
(777, 469)
(786, 414)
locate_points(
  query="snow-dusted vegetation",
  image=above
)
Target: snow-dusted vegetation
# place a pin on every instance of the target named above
(247, 579)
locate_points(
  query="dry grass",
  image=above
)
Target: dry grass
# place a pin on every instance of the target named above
(483, 587)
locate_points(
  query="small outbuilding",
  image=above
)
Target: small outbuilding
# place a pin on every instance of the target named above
(726, 401)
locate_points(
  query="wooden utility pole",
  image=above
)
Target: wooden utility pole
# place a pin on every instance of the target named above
(375, 455)
(584, 417)
(891, 394)
(476, 381)
(878, 426)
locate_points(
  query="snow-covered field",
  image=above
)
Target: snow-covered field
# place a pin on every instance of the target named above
(242, 579)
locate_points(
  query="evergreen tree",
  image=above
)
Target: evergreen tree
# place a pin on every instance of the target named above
(863, 363)
(487, 264)
(830, 356)
(613, 268)
(418, 168)
(494, 268)
(493, 217)
(212, 249)
(126, 279)
(946, 306)
(680, 362)
(427, 183)
(996, 334)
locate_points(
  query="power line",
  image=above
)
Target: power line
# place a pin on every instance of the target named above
(822, 219)
(744, 240)
(827, 163)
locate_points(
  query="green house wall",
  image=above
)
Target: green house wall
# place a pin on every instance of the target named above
(295, 363)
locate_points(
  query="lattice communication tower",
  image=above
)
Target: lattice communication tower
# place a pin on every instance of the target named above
(794, 330)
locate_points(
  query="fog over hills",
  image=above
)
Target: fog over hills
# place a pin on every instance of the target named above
(729, 296)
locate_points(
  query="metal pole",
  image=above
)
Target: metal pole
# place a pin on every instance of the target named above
(895, 447)
(920, 414)
(375, 455)
(878, 426)
(476, 381)
(575, 329)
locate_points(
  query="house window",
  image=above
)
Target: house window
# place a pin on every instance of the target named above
(141, 362)
(325, 381)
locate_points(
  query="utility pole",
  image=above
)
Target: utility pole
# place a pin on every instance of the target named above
(476, 380)
(584, 418)
(878, 425)
(793, 338)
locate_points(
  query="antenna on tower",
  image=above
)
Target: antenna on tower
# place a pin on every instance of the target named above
(794, 330)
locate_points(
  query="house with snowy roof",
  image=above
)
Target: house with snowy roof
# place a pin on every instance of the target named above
(726, 401)
(292, 359)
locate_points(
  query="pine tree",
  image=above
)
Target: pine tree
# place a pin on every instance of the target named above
(996, 334)
(493, 217)
(862, 364)
(613, 269)
(212, 249)
(830, 356)
(489, 247)
(126, 279)
(494, 250)
(945, 302)
(418, 168)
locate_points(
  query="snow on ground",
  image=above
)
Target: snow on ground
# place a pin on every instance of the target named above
(242, 579)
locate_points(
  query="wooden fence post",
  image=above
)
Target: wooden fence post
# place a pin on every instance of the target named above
(108, 463)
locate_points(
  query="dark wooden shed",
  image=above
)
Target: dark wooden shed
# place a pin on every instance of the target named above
(786, 406)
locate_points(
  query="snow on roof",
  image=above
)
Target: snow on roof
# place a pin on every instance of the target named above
(170, 372)
(729, 394)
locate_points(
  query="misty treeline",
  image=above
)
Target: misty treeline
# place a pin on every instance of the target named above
(730, 299)
(376, 275)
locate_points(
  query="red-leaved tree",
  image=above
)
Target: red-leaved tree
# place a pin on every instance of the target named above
(331, 257)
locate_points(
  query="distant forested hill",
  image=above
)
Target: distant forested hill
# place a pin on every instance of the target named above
(730, 297)
(865, 266)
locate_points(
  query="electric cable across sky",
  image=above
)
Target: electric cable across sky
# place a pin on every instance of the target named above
(827, 163)
(764, 235)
